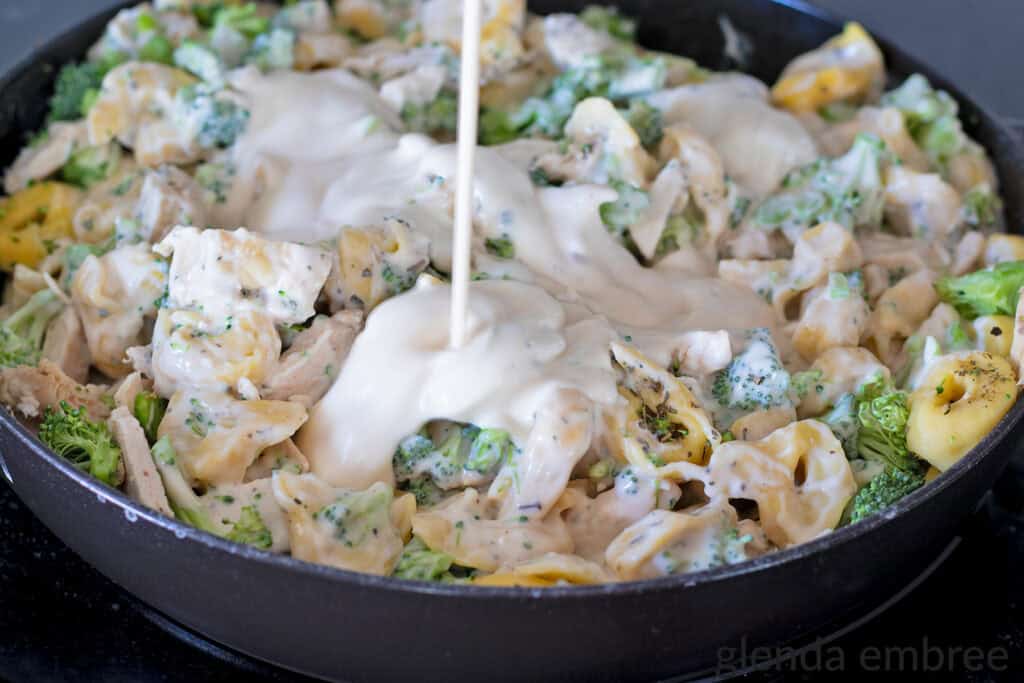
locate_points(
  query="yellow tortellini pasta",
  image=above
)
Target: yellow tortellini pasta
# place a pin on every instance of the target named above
(663, 422)
(355, 530)
(959, 402)
(848, 67)
(797, 475)
(218, 437)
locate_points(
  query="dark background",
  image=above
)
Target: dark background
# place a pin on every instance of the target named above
(59, 621)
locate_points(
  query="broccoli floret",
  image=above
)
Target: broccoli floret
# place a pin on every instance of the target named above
(847, 190)
(490, 448)
(843, 420)
(89, 165)
(497, 127)
(680, 230)
(500, 247)
(619, 77)
(931, 118)
(149, 410)
(884, 490)
(88, 445)
(882, 413)
(76, 83)
(438, 116)
(157, 49)
(427, 493)
(273, 50)
(216, 180)
(646, 121)
(21, 334)
(201, 61)
(420, 563)
(464, 454)
(609, 20)
(358, 515)
(220, 121)
(622, 213)
(755, 379)
(250, 529)
(982, 208)
(992, 291)
(242, 18)
(807, 381)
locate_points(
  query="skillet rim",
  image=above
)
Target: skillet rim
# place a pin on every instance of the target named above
(184, 532)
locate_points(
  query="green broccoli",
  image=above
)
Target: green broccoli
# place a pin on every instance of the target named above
(250, 529)
(843, 420)
(982, 208)
(200, 60)
(500, 247)
(992, 291)
(488, 450)
(75, 90)
(221, 121)
(149, 410)
(755, 379)
(609, 20)
(461, 454)
(356, 516)
(622, 213)
(617, 76)
(496, 127)
(931, 118)
(426, 492)
(680, 230)
(806, 381)
(89, 165)
(847, 190)
(882, 436)
(21, 334)
(273, 50)
(419, 563)
(646, 121)
(436, 117)
(88, 445)
(157, 49)
(884, 490)
(242, 18)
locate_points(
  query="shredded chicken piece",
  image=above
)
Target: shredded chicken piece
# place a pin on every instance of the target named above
(65, 345)
(33, 389)
(142, 481)
(309, 367)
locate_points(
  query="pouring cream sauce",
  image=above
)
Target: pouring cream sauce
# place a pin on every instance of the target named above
(321, 152)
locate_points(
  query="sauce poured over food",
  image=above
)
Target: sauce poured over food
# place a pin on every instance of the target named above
(706, 319)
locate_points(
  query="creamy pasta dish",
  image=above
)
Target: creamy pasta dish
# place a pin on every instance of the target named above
(709, 318)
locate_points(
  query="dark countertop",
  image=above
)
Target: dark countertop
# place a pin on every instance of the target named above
(60, 620)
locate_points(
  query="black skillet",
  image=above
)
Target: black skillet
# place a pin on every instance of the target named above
(340, 625)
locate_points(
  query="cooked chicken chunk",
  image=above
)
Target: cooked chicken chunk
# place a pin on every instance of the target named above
(308, 368)
(33, 389)
(65, 345)
(142, 482)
